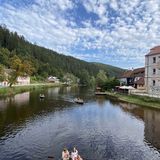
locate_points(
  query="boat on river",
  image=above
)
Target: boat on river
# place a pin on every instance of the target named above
(79, 100)
(41, 96)
(100, 93)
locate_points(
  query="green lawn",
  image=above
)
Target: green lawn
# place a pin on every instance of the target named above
(139, 100)
(8, 91)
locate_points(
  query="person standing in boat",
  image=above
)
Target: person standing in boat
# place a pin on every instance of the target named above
(65, 154)
(74, 154)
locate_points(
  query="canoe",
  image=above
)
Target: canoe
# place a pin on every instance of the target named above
(79, 101)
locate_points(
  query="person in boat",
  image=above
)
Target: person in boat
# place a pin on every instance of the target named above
(74, 154)
(41, 96)
(65, 154)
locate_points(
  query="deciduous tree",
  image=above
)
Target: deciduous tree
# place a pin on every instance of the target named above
(19, 68)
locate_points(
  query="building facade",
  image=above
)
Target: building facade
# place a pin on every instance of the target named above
(152, 71)
(139, 74)
(53, 79)
(23, 80)
(139, 84)
(127, 78)
(133, 78)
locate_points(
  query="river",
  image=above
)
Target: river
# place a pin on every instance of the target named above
(101, 129)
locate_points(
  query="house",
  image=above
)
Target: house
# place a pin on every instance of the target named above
(138, 75)
(126, 78)
(5, 82)
(152, 71)
(139, 84)
(23, 80)
(131, 77)
(53, 79)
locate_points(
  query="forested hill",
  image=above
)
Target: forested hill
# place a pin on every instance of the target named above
(111, 70)
(46, 62)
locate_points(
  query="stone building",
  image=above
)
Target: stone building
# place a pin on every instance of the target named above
(152, 71)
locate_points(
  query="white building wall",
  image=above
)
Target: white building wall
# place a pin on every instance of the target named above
(150, 76)
(23, 80)
(4, 84)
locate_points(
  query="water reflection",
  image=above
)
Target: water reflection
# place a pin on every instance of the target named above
(19, 99)
(152, 127)
(133, 109)
(15, 110)
(101, 100)
(54, 91)
(151, 120)
(101, 128)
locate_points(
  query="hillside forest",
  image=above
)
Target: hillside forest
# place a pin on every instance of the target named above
(23, 57)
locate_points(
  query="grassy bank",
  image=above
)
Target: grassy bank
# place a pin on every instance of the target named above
(139, 100)
(8, 91)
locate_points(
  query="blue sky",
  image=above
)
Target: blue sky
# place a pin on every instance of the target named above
(116, 32)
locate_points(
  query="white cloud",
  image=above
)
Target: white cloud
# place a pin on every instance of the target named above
(114, 4)
(125, 33)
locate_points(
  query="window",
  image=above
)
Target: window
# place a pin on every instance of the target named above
(154, 82)
(154, 59)
(154, 71)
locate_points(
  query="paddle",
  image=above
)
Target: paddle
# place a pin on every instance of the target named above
(50, 157)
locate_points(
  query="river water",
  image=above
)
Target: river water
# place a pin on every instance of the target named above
(101, 129)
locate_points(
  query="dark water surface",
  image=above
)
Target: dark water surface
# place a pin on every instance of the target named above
(102, 129)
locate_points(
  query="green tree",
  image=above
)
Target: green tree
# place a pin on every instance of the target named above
(4, 56)
(68, 77)
(92, 81)
(19, 68)
(27, 67)
(101, 78)
(16, 67)
(45, 61)
(2, 73)
(111, 83)
(84, 77)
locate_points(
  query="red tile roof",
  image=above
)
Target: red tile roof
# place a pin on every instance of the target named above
(154, 51)
(138, 72)
(127, 74)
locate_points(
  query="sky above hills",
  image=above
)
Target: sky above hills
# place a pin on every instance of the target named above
(116, 32)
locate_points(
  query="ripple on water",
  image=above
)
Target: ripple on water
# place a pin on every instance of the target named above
(100, 130)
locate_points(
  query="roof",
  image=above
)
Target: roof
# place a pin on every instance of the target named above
(154, 51)
(127, 74)
(139, 72)
(133, 73)
(52, 77)
(140, 81)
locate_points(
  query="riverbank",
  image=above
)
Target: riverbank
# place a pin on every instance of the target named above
(139, 100)
(8, 91)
